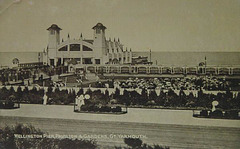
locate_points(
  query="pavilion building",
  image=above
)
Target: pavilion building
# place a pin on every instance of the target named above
(97, 51)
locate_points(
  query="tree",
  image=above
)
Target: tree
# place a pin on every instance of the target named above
(49, 91)
(106, 93)
(41, 92)
(152, 95)
(116, 94)
(71, 97)
(19, 93)
(106, 96)
(182, 98)
(34, 90)
(136, 143)
(134, 97)
(125, 98)
(89, 92)
(25, 91)
(80, 92)
(161, 99)
(4, 93)
(57, 90)
(132, 142)
(11, 91)
(200, 93)
(144, 97)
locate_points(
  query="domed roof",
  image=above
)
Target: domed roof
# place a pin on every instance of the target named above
(54, 27)
(100, 26)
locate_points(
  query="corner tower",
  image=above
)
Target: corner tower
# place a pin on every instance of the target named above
(53, 36)
(99, 42)
(53, 41)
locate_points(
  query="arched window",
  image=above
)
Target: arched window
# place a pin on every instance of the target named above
(75, 47)
(63, 48)
(85, 48)
(15, 61)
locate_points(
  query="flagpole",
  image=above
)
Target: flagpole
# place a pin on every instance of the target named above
(205, 64)
(205, 61)
(150, 56)
(205, 68)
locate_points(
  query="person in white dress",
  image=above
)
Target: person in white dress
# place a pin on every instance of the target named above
(80, 102)
(45, 99)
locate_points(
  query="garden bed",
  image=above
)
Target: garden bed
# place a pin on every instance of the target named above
(218, 114)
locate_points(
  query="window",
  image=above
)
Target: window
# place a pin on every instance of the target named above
(85, 48)
(59, 62)
(75, 47)
(87, 61)
(63, 48)
(52, 32)
(78, 60)
(98, 31)
(52, 62)
(65, 60)
(97, 61)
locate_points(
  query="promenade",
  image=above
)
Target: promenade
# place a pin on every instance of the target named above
(137, 115)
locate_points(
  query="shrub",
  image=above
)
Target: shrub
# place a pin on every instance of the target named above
(231, 114)
(216, 113)
(105, 109)
(84, 108)
(132, 142)
(204, 113)
(117, 109)
(9, 104)
(80, 92)
(136, 143)
(1, 105)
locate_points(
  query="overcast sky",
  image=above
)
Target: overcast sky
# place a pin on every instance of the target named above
(160, 25)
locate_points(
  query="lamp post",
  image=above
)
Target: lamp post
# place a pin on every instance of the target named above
(205, 64)
(150, 56)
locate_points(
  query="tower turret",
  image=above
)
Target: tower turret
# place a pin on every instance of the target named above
(54, 36)
(53, 41)
(99, 42)
(99, 31)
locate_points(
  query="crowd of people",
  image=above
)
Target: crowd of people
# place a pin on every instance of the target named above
(7, 75)
(20, 74)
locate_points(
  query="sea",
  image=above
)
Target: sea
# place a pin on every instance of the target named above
(159, 58)
(192, 58)
(6, 58)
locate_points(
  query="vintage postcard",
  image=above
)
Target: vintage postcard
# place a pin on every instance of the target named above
(119, 74)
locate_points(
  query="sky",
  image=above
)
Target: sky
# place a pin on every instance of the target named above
(159, 25)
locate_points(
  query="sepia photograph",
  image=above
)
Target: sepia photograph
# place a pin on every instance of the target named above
(119, 74)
